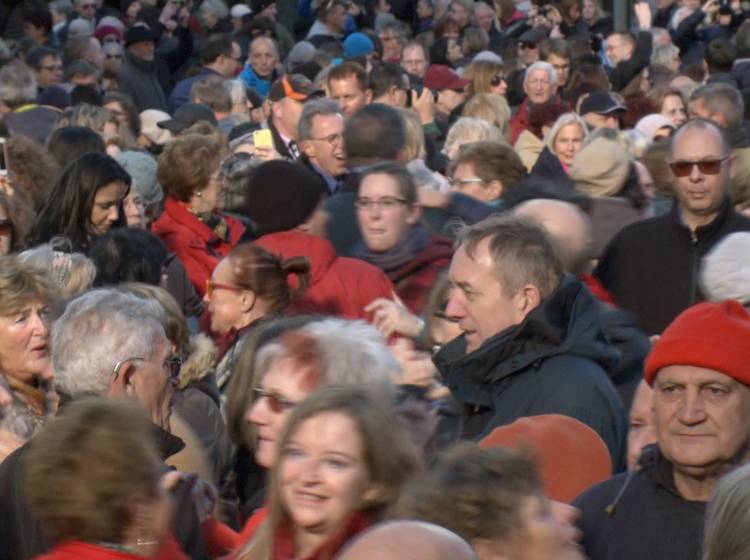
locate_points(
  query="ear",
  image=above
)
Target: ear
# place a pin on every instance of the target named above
(307, 148)
(368, 96)
(495, 188)
(122, 383)
(415, 213)
(527, 299)
(276, 110)
(247, 300)
(732, 165)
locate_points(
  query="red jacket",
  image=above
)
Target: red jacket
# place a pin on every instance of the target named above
(221, 539)
(415, 280)
(339, 286)
(77, 550)
(195, 244)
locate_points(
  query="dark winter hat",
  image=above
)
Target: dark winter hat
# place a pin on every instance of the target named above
(602, 103)
(257, 6)
(709, 335)
(293, 86)
(54, 96)
(533, 36)
(282, 195)
(186, 116)
(137, 33)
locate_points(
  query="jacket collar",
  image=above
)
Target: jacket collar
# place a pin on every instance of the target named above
(709, 230)
(180, 214)
(294, 243)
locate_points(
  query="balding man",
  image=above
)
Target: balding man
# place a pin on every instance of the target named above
(651, 267)
(569, 229)
(260, 70)
(408, 540)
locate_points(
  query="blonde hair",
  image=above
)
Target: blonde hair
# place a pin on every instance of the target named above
(96, 118)
(489, 107)
(20, 284)
(415, 144)
(481, 72)
(564, 120)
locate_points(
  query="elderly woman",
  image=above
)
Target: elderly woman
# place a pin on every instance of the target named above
(340, 463)
(192, 225)
(26, 295)
(466, 130)
(561, 144)
(101, 457)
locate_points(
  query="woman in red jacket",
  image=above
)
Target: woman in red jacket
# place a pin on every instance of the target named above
(341, 461)
(192, 225)
(93, 480)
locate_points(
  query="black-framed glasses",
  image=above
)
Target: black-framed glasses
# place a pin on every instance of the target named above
(705, 166)
(385, 203)
(497, 80)
(277, 403)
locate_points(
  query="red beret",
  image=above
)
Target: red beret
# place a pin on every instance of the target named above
(571, 456)
(709, 335)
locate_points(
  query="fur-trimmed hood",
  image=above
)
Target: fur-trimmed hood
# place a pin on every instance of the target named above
(201, 362)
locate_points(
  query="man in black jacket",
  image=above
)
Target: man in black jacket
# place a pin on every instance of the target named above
(532, 342)
(701, 407)
(629, 54)
(651, 267)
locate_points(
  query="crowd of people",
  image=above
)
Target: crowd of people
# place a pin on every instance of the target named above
(374, 280)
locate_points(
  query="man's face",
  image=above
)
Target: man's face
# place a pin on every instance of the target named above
(459, 14)
(86, 9)
(336, 19)
(528, 53)
(617, 49)
(562, 67)
(263, 57)
(538, 87)
(286, 115)
(391, 45)
(414, 61)
(449, 99)
(484, 16)
(231, 62)
(50, 72)
(700, 193)
(326, 148)
(595, 120)
(95, 54)
(698, 110)
(350, 96)
(387, 218)
(702, 419)
(477, 299)
(143, 50)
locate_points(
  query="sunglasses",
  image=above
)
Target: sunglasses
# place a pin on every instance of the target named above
(276, 402)
(526, 46)
(706, 166)
(212, 286)
(497, 80)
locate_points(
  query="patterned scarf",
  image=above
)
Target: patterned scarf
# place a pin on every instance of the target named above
(405, 250)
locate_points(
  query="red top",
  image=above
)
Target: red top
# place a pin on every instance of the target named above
(77, 550)
(196, 244)
(339, 286)
(221, 539)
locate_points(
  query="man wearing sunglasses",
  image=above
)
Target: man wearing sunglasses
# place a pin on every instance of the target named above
(651, 267)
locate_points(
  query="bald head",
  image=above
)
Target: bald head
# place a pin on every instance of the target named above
(408, 540)
(568, 227)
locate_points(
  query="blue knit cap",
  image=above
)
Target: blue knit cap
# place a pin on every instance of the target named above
(357, 44)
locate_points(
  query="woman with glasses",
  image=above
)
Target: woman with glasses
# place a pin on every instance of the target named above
(193, 225)
(340, 463)
(486, 76)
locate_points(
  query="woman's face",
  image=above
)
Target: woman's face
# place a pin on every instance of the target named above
(323, 478)
(6, 232)
(224, 303)
(106, 208)
(212, 196)
(454, 52)
(24, 338)
(568, 143)
(673, 108)
(589, 11)
(119, 113)
(499, 84)
(135, 213)
(574, 13)
(281, 388)
(546, 535)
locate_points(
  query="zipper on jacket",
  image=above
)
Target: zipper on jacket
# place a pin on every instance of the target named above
(695, 266)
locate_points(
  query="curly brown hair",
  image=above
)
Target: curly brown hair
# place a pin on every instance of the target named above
(188, 162)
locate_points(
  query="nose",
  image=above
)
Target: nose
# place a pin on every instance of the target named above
(692, 411)
(695, 174)
(453, 308)
(112, 214)
(39, 325)
(257, 413)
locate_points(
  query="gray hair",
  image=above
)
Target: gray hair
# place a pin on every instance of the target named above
(350, 352)
(72, 273)
(727, 518)
(470, 129)
(97, 330)
(541, 65)
(218, 7)
(719, 98)
(399, 28)
(664, 55)
(62, 6)
(318, 107)
(17, 85)
(725, 272)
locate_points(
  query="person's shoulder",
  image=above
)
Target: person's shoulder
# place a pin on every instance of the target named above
(642, 230)
(603, 494)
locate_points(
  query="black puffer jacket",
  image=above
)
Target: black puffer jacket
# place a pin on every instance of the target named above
(555, 362)
(640, 515)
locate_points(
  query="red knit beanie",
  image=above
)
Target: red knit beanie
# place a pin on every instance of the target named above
(708, 335)
(571, 456)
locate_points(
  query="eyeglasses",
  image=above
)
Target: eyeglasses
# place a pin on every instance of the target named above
(526, 46)
(211, 286)
(535, 83)
(497, 80)
(385, 203)
(53, 68)
(332, 139)
(706, 166)
(172, 365)
(461, 183)
(276, 402)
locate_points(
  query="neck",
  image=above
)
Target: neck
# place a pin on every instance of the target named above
(696, 489)
(694, 221)
(305, 542)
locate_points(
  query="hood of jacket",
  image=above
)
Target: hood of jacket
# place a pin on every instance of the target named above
(200, 363)
(566, 322)
(292, 243)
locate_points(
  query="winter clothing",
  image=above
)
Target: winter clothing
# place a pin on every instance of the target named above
(181, 92)
(609, 215)
(30, 407)
(34, 121)
(725, 273)
(571, 456)
(413, 265)
(140, 81)
(520, 121)
(554, 362)
(641, 515)
(548, 167)
(708, 335)
(198, 246)
(600, 168)
(528, 147)
(651, 267)
(339, 286)
(621, 75)
(77, 550)
(259, 83)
